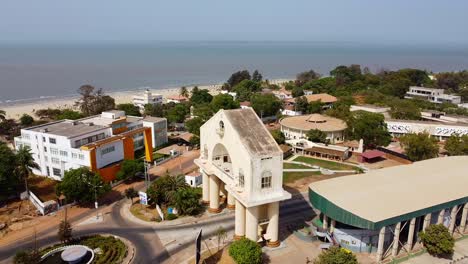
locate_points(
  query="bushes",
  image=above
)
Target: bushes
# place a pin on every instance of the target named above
(437, 240)
(336, 255)
(171, 216)
(113, 249)
(245, 251)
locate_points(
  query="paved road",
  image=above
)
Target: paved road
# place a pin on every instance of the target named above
(149, 248)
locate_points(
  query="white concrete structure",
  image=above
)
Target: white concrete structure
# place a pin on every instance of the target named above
(370, 108)
(233, 94)
(440, 130)
(194, 179)
(92, 142)
(432, 95)
(283, 94)
(176, 99)
(147, 98)
(240, 158)
(306, 147)
(296, 127)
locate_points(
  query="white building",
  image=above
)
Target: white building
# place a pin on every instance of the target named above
(99, 142)
(440, 130)
(147, 98)
(432, 95)
(283, 94)
(245, 165)
(233, 94)
(370, 108)
(296, 127)
(176, 99)
(194, 179)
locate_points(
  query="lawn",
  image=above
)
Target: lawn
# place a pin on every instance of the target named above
(145, 213)
(292, 176)
(157, 156)
(331, 165)
(295, 166)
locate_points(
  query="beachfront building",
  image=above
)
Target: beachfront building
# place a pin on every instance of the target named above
(176, 99)
(147, 98)
(99, 142)
(383, 211)
(439, 130)
(245, 165)
(296, 127)
(432, 95)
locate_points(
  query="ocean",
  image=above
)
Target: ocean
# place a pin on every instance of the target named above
(32, 72)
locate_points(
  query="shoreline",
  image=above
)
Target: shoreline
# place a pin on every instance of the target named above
(17, 109)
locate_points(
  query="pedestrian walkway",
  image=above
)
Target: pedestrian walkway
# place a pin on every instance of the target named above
(460, 256)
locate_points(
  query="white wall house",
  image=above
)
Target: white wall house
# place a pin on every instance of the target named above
(432, 95)
(437, 129)
(147, 98)
(194, 179)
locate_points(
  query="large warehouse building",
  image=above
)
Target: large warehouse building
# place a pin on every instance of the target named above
(384, 210)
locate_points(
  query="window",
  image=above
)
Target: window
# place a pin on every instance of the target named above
(48, 171)
(63, 153)
(78, 143)
(45, 149)
(107, 150)
(57, 172)
(26, 136)
(55, 160)
(74, 156)
(266, 180)
(43, 139)
(54, 151)
(46, 159)
(81, 156)
(241, 178)
(52, 140)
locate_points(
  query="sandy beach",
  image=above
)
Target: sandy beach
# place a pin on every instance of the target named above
(15, 111)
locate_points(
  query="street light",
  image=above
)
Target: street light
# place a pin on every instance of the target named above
(95, 186)
(147, 166)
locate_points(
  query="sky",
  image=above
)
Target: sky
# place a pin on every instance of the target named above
(92, 21)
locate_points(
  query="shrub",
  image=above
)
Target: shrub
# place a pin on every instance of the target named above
(336, 255)
(171, 216)
(26, 257)
(187, 201)
(245, 251)
(437, 240)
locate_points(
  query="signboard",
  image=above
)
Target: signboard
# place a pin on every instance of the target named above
(198, 247)
(143, 198)
(160, 212)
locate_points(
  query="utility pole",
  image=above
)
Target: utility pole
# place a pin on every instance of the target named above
(96, 205)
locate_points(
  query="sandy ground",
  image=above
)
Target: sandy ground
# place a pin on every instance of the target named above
(16, 110)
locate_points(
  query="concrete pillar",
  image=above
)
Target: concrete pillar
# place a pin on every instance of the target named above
(463, 218)
(273, 225)
(214, 195)
(239, 230)
(427, 221)
(231, 201)
(251, 223)
(380, 245)
(396, 240)
(206, 188)
(325, 222)
(440, 219)
(332, 226)
(453, 218)
(411, 234)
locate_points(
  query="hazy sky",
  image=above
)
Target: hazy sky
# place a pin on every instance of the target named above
(390, 21)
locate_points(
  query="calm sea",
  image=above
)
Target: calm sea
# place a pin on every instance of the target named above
(30, 72)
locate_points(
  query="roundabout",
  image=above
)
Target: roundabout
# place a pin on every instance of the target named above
(74, 254)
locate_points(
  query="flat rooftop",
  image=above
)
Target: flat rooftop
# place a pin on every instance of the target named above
(390, 195)
(67, 128)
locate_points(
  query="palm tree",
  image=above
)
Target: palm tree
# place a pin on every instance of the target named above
(24, 164)
(184, 92)
(2, 114)
(174, 184)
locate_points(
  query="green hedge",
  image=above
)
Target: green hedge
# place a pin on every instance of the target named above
(246, 251)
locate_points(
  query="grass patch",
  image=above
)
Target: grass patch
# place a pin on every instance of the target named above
(331, 165)
(292, 176)
(157, 156)
(145, 213)
(294, 166)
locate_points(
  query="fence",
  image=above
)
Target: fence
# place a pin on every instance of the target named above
(43, 208)
(395, 155)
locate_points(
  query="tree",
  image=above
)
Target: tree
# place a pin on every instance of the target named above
(48, 113)
(265, 104)
(2, 114)
(26, 120)
(78, 185)
(187, 201)
(437, 240)
(405, 109)
(306, 76)
(316, 135)
(203, 111)
(28, 256)
(65, 230)
(24, 165)
(183, 92)
(178, 113)
(419, 146)
(163, 189)
(245, 89)
(256, 76)
(336, 255)
(301, 104)
(238, 77)
(221, 235)
(200, 96)
(345, 75)
(194, 140)
(93, 102)
(278, 136)
(8, 178)
(370, 127)
(69, 114)
(129, 168)
(193, 125)
(245, 251)
(154, 110)
(223, 101)
(457, 145)
(131, 193)
(129, 109)
(315, 107)
(297, 91)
